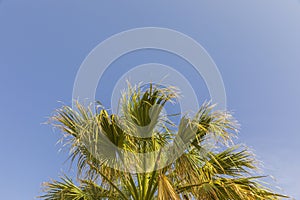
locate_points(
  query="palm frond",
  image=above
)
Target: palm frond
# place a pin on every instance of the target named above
(67, 190)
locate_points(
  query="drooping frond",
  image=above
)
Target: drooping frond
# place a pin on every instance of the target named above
(67, 190)
(166, 190)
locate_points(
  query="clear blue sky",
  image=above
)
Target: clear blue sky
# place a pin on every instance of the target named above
(255, 44)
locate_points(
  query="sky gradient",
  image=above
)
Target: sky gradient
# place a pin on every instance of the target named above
(255, 44)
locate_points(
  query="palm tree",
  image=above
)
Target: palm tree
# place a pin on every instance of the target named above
(182, 163)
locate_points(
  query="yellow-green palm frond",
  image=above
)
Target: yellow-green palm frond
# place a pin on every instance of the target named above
(67, 190)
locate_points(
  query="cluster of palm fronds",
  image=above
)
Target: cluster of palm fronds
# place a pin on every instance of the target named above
(141, 154)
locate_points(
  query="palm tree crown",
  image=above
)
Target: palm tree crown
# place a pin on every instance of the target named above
(140, 154)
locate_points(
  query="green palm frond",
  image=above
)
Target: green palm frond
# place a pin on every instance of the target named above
(67, 190)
